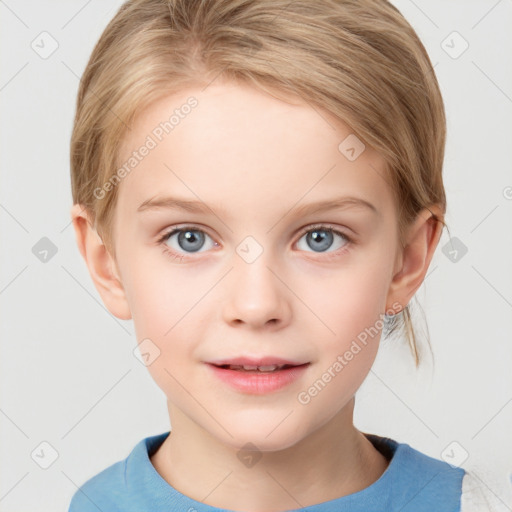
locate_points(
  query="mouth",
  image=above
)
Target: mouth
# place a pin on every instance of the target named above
(271, 368)
(258, 379)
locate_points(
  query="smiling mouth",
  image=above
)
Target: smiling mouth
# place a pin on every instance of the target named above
(258, 379)
(258, 369)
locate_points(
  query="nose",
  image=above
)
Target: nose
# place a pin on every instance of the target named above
(256, 295)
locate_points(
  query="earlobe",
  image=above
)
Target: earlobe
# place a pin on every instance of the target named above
(100, 263)
(421, 241)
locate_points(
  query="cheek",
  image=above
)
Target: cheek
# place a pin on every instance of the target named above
(350, 305)
(345, 301)
(352, 313)
(159, 294)
(165, 304)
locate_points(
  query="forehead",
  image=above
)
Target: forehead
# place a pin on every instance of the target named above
(233, 144)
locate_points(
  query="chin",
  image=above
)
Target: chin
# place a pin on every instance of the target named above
(265, 435)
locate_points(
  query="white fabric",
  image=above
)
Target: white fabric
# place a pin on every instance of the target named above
(485, 493)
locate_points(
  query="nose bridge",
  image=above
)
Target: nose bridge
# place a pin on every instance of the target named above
(256, 295)
(252, 267)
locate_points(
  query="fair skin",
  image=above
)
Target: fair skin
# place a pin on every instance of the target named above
(254, 160)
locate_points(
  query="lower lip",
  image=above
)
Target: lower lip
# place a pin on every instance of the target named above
(259, 383)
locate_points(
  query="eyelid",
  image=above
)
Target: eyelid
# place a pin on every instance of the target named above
(325, 226)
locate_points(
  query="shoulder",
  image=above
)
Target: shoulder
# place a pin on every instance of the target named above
(120, 487)
(418, 482)
(103, 491)
(430, 481)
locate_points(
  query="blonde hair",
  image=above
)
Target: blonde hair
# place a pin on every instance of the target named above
(359, 60)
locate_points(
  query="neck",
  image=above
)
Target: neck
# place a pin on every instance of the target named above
(333, 461)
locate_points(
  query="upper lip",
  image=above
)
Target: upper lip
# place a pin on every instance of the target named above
(256, 361)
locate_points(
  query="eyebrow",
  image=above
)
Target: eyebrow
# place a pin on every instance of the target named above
(192, 206)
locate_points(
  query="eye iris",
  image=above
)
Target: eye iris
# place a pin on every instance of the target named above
(190, 236)
(322, 235)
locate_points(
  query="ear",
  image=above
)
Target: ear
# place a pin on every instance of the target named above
(100, 263)
(414, 259)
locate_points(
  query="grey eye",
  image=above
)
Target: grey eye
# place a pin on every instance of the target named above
(188, 240)
(321, 239)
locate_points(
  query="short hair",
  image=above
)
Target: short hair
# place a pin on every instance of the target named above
(359, 60)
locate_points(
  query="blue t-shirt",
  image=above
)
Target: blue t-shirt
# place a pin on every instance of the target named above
(412, 482)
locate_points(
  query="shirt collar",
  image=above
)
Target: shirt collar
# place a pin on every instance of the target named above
(149, 489)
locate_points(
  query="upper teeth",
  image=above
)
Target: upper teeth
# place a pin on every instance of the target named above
(268, 368)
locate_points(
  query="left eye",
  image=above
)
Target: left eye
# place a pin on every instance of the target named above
(320, 238)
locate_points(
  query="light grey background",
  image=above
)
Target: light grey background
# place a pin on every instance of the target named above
(68, 374)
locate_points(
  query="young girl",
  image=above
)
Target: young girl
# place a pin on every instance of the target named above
(216, 144)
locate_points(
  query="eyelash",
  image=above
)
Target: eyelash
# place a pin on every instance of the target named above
(317, 227)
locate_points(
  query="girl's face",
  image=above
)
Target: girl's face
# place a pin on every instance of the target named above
(254, 271)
